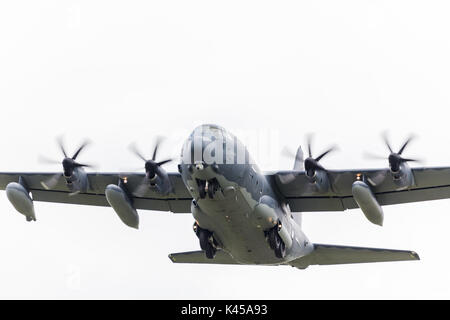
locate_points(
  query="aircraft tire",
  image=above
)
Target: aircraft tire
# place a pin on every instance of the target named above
(211, 192)
(274, 239)
(210, 251)
(280, 251)
(203, 236)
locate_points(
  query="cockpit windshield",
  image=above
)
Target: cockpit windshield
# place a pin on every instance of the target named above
(208, 130)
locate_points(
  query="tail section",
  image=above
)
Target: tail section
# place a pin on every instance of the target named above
(325, 254)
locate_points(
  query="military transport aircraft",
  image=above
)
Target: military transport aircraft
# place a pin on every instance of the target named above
(242, 216)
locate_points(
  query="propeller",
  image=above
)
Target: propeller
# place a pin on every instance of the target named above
(312, 163)
(395, 158)
(152, 166)
(69, 164)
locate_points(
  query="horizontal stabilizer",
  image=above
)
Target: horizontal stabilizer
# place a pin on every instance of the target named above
(324, 254)
(221, 257)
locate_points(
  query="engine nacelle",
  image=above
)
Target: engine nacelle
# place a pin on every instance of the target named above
(404, 177)
(118, 200)
(367, 202)
(320, 182)
(20, 198)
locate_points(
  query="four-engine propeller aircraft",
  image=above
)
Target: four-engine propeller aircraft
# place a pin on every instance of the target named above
(242, 216)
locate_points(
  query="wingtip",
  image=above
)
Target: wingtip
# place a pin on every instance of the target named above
(415, 255)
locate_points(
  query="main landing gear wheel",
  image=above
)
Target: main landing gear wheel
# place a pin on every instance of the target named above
(276, 243)
(203, 236)
(206, 241)
(274, 238)
(210, 252)
(280, 251)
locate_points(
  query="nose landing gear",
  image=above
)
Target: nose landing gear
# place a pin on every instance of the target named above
(207, 242)
(207, 187)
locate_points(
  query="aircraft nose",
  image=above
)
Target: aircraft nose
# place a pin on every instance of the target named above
(199, 166)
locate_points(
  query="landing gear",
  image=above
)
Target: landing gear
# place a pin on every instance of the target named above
(202, 188)
(207, 242)
(207, 187)
(275, 242)
(210, 252)
(213, 187)
(280, 251)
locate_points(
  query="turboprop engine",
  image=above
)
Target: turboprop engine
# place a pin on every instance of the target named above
(316, 174)
(400, 171)
(155, 176)
(73, 172)
(120, 198)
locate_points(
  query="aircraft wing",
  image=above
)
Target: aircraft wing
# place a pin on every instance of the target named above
(179, 201)
(430, 184)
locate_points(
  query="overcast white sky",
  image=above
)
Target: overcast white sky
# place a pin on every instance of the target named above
(124, 71)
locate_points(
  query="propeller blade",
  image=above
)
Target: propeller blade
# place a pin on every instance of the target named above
(325, 153)
(287, 152)
(405, 144)
(377, 178)
(411, 160)
(83, 165)
(46, 160)
(309, 142)
(75, 155)
(52, 182)
(134, 149)
(164, 162)
(318, 166)
(386, 141)
(286, 178)
(155, 150)
(141, 189)
(61, 146)
(368, 155)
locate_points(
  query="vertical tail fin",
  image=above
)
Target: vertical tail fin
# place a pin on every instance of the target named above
(299, 164)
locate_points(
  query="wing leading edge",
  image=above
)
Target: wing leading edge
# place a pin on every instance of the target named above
(178, 201)
(430, 184)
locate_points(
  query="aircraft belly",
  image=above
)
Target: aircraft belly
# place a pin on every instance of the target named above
(235, 226)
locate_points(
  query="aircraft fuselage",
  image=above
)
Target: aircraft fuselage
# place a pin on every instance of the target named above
(235, 202)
